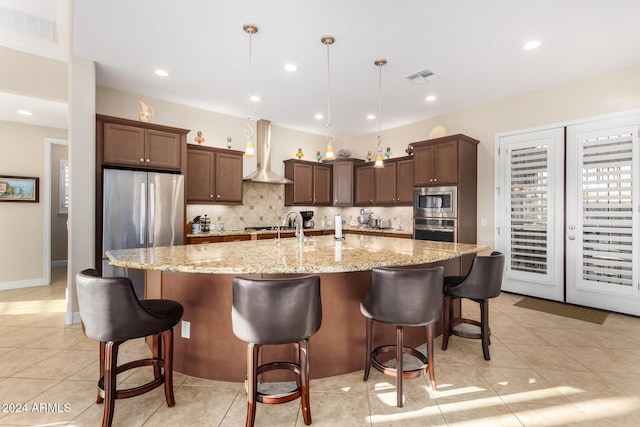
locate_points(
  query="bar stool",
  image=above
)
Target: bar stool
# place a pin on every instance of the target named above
(272, 312)
(112, 314)
(482, 283)
(402, 297)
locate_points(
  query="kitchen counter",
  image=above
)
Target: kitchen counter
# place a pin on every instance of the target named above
(346, 230)
(200, 278)
(319, 254)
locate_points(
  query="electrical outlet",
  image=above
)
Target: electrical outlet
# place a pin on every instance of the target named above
(483, 222)
(186, 329)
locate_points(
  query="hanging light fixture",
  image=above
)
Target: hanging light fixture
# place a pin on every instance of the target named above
(379, 163)
(328, 41)
(250, 149)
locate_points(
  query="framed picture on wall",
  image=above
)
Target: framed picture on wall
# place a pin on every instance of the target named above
(19, 189)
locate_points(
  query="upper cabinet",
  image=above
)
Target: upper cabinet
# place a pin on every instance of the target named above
(343, 180)
(391, 185)
(140, 145)
(444, 161)
(214, 175)
(311, 183)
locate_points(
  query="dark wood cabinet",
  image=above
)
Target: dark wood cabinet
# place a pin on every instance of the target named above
(391, 185)
(442, 161)
(140, 145)
(311, 183)
(363, 187)
(214, 175)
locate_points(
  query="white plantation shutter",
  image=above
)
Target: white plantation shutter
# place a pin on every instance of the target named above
(607, 213)
(528, 209)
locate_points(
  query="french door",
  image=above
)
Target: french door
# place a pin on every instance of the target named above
(528, 205)
(569, 228)
(602, 232)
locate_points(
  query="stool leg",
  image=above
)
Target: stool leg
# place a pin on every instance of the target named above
(102, 350)
(167, 345)
(252, 382)
(304, 373)
(156, 350)
(399, 368)
(430, 357)
(296, 360)
(110, 372)
(369, 333)
(447, 322)
(484, 326)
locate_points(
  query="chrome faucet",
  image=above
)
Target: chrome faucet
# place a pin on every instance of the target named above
(299, 232)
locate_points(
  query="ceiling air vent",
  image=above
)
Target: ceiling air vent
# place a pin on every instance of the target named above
(421, 77)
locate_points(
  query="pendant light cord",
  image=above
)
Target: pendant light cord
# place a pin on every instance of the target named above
(380, 109)
(329, 137)
(249, 133)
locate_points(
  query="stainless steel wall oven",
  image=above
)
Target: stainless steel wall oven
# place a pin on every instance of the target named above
(436, 229)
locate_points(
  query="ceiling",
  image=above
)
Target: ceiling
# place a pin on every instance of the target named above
(474, 48)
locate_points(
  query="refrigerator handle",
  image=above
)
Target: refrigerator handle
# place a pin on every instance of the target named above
(152, 211)
(143, 212)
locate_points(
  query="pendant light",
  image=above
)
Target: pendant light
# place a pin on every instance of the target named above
(250, 149)
(328, 41)
(379, 163)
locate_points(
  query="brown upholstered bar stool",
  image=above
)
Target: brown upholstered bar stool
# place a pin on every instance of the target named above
(482, 283)
(272, 312)
(112, 314)
(403, 297)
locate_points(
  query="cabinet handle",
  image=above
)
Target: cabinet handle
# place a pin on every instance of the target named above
(148, 160)
(211, 195)
(435, 179)
(142, 160)
(218, 196)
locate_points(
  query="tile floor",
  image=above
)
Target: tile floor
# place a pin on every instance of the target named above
(545, 370)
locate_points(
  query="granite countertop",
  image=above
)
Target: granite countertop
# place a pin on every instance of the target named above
(318, 254)
(234, 232)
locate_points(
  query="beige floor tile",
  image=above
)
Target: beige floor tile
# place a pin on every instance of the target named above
(490, 411)
(351, 383)
(380, 383)
(416, 411)
(58, 339)
(24, 336)
(618, 411)
(522, 385)
(464, 383)
(330, 410)
(284, 414)
(18, 391)
(59, 366)
(564, 337)
(626, 383)
(8, 329)
(546, 357)
(581, 386)
(538, 415)
(514, 335)
(607, 338)
(603, 359)
(501, 355)
(22, 358)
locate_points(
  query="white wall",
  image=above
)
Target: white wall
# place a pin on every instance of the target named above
(22, 224)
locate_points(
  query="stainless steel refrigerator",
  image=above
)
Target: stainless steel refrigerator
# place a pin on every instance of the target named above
(140, 210)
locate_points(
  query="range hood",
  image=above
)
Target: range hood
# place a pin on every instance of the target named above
(263, 172)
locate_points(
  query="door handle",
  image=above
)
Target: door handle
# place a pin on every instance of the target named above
(143, 212)
(152, 211)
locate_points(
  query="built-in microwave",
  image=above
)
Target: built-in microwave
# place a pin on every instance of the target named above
(435, 202)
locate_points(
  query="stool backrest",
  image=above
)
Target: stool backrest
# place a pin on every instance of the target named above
(410, 297)
(109, 308)
(276, 311)
(484, 279)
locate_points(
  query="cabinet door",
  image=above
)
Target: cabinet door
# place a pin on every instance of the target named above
(364, 186)
(321, 185)
(404, 182)
(228, 178)
(200, 176)
(445, 163)
(162, 149)
(302, 184)
(123, 145)
(343, 184)
(423, 170)
(385, 184)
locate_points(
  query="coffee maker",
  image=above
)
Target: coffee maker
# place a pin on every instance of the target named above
(307, 222)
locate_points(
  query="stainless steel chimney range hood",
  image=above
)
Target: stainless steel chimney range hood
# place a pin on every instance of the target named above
(263, 172)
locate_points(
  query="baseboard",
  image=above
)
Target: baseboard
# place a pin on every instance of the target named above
(71, 318)
(23, 284)
(61, 263)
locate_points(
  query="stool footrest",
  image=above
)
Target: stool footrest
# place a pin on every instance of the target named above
(466, 333)
(279, 397)
(411, 373)
(135, 391)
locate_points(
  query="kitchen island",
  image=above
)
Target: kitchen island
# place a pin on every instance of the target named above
(200, 276)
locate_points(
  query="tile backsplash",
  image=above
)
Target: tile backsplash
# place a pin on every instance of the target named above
(263, 205)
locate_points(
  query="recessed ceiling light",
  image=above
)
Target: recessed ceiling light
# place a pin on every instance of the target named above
(430, 98)
(254, 98)
(291, 68)
(25, 113)
(371, 117)
(161, 73)
(531, 45)
(318, 117)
